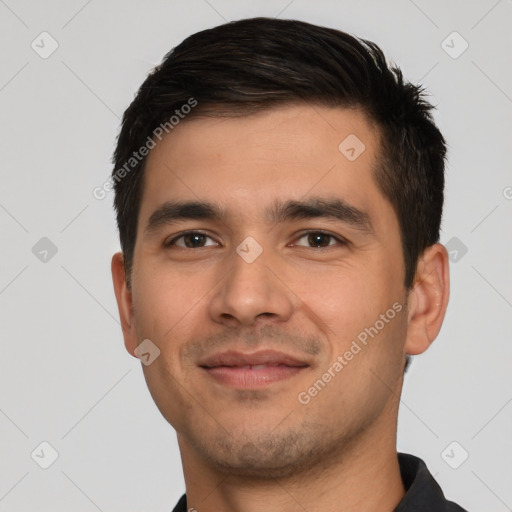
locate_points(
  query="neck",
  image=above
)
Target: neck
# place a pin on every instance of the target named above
(364, 477)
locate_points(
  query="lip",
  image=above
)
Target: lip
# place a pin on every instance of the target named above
(238, 359)
(252, 371)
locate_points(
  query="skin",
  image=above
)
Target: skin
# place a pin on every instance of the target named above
(263, 450)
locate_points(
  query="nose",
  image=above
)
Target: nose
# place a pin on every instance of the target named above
(251, 293)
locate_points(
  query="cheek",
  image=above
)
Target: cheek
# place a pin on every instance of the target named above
(367, 331)
(346, 301)
(168, 310)
(166, 302)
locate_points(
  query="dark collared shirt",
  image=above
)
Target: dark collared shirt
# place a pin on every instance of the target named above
(422, 492)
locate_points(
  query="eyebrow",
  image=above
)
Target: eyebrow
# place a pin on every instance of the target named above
(183, 210)
(335, 209)
(313, 208)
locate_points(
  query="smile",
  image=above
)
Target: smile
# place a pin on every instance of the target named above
(252, 371)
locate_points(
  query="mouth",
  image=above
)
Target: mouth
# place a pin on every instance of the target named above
(252, 371)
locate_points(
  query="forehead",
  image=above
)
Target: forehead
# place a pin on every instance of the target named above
(247, 163)
(306, 134)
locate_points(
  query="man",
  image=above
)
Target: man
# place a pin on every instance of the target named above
(279, 193)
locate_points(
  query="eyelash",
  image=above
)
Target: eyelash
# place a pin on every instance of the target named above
(340, 240)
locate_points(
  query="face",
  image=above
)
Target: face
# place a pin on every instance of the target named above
(277, 304)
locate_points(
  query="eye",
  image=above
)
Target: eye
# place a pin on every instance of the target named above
(319, 239)
(191, 240)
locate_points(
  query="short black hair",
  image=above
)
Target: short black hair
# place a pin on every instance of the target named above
(255, 64)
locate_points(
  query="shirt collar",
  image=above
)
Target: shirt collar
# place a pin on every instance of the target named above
(422, 492)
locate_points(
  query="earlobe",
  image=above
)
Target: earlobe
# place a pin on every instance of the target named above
(124, 302)
(428, 299)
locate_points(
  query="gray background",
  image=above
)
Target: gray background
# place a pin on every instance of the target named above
(65, 377)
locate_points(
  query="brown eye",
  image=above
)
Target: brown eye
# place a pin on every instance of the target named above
(191, 240)
(319, 240)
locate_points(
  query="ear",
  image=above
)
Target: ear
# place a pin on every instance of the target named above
(124, 303)
(428, 299)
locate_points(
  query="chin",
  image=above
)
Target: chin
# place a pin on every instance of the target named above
(251, 463)
(264, 455)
